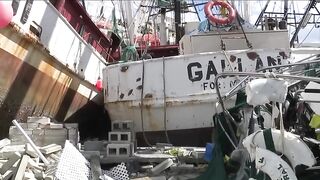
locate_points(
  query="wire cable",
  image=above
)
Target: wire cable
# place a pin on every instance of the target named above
(308, 34)
(164, 100)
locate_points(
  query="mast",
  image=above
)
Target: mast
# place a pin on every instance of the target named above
(177, 19)
(163, 33)
(129, 19)
(285, 10)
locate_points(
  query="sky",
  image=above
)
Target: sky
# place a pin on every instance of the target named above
(309, 34)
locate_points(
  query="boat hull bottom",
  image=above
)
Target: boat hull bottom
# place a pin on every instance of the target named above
(183, 137)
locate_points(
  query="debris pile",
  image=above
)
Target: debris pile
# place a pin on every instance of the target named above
(40, 149)
(44, 132)
(23, 162)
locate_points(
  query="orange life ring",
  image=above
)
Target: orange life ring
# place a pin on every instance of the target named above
(213, 19)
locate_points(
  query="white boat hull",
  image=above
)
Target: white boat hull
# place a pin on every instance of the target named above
(185, 83)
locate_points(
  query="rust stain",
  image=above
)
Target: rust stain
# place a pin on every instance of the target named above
(252, 55)
(148, 95)
(130, 92)
(124, 68)
(151, 120)
(121, 96)
(233, 58)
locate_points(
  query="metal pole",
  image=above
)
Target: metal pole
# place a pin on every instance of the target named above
(286, 76)
(195, 8)
(177, 19)
(45, 161)
(285, 10)
(261, 14)
(311, 4)
(163, 32)
(272, 67)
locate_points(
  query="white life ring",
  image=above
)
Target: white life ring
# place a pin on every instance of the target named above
(271, 164)
(295, 149)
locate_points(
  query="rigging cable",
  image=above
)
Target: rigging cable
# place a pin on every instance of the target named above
(124, 20)
(308, 33)
(164, 100)
(244, 34)
(142, 90)
(134, 16)
(141, 106)
(145, 27)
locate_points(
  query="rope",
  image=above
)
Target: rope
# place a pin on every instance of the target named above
(244, 34)
(129, 53)
(141, 108)
(164, 100)
(227, 135)
(281, 127)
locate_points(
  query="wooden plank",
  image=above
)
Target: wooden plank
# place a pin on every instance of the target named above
(22, 167)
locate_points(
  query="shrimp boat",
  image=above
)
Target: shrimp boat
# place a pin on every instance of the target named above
(172, 99)
(51, 56)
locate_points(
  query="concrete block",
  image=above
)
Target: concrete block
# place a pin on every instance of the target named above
(122, 126)
(22, 167)
(12, 149)
(34, 165)
(71, 125)
(56, 126)
(29, 176)
(11, 161)
(4, 142)
(7, 175)
(38, 174)
(49, 178)
(44, 126)
(119, 136)
(40, 120)
(47, 140)
(38, 132)
(30, 151)
(73, 136)
(162, 166)
(54, 157)
(14, 130)
(50, 149)
(23, 125)
(119, 150)
(151, 178)
(56, 132)
(33, 125)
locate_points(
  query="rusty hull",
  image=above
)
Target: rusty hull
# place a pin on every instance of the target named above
(33, 83)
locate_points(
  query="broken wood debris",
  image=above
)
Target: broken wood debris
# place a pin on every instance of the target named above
(20, 160)
(20, 155)
(24, 165)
